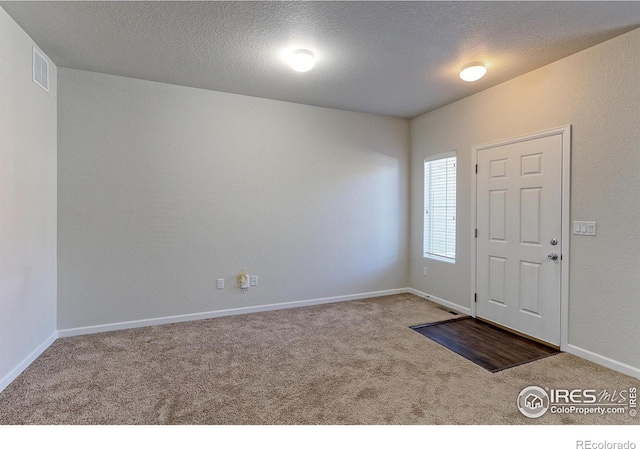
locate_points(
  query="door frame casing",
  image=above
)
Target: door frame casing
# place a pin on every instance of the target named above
(565, 132)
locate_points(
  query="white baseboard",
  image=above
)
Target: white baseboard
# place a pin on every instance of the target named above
(218, 313)
(14, 373)
(5, 381)
(442, 302)
(604, 361)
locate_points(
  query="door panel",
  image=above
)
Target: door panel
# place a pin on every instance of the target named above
(519, 212)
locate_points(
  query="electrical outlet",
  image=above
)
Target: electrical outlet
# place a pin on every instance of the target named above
(220, 284)
(254, 281)
(424, 271)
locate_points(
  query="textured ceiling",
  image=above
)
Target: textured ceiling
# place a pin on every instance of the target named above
(392, 58)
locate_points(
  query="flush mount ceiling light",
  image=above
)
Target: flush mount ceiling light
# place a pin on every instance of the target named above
(302, 60)
(473, 71)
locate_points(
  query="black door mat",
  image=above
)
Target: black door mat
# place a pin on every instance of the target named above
(491, 347)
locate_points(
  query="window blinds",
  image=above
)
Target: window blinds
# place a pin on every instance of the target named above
(440, 208)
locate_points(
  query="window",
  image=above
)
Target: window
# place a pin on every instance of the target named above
(440, 207)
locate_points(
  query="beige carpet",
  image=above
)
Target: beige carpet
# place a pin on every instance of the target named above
(353, 362)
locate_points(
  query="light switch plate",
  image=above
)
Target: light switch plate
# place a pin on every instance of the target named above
(584, 228)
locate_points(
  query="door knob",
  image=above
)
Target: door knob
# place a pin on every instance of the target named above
(553, 256)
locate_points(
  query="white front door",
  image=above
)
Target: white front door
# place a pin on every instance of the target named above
(519, 232)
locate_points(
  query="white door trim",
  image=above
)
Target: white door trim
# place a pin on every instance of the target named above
(565, 132)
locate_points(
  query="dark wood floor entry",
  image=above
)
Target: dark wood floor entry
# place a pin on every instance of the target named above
(488, 346)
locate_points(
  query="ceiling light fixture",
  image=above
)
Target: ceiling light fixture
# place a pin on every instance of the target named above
(473, 71)
(302, 60)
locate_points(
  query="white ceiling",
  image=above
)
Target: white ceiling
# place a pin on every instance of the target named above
(392, 58)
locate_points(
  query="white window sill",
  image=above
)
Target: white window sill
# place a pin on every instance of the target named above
(439, 258)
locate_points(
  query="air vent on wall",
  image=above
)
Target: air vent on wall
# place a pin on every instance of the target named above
(40, 70)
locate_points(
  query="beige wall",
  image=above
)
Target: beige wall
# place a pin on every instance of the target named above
(27, 205)
(164, 189)
(597, 92)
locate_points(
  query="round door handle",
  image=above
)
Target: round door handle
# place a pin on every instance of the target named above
(553, 256)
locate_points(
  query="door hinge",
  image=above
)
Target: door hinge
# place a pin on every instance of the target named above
(476, 233)
(476, 168)
(475, 297)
